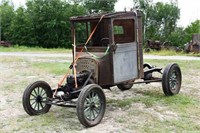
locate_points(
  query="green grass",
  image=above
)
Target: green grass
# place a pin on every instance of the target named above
(33, 49)
(151, 98)
(171, 53)
(57, 120)
(11, 59)
(178, 102)
(17, 48)
(182, 125)
(185, 108)
(186, 65)
(52, 68)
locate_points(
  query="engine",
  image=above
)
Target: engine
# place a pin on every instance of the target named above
(70, 85)
(81, 78)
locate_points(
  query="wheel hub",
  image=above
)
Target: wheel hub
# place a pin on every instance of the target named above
(39, 99)
(173, 81)
(92, 105)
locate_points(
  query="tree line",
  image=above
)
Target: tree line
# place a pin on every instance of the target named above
(160, 22)
(45, 23)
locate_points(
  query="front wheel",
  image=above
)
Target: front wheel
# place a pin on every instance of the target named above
(91, 105)
(171, 79)
(35, 96)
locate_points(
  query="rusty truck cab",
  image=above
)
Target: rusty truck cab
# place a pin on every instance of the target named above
(114, 52)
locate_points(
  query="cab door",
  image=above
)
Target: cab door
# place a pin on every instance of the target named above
(125, 61)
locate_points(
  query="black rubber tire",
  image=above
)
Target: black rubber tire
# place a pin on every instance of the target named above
(147, 50)
(125, 86)
(82, 101)
(175, 80)
(28, 93)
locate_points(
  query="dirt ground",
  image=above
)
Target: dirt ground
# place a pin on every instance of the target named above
(146, 110)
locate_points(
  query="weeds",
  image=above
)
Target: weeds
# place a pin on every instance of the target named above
(17, 48)
(171, 53)
(151, 98)
(52, 68)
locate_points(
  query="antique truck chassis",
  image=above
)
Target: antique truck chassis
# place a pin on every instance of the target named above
(108, 58)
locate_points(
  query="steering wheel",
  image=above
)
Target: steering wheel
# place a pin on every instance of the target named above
(104, 41)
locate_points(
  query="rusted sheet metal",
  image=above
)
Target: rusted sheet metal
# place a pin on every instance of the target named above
(152, 44)
(106, 71)
(116, 46)
(5, 44)
(194, 45)
(140, 49)
(89, 64)
(125, 64)
(106, 16)
(196, 38)
(195, 48)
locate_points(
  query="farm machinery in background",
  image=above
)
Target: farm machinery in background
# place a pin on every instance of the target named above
(5, 44)
(193, 45)
(159, 45)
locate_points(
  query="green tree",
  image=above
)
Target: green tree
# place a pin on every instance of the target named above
(45, 23)
(181, 36)
(177, 37)
(6, 16)
(50, 20)
(168, 15)
(193, 28)
(96, 6)
(160, 19)
(21, 27)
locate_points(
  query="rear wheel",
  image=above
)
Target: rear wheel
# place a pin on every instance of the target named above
(125, 86)
(91, 105)
(35, 96)
(171, 80)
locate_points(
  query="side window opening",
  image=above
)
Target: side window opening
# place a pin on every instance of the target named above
(118, 30)
(124, 31)
(81, 33)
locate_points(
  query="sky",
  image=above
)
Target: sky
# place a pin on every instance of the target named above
(190, 9)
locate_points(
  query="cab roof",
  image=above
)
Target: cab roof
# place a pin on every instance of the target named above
(124, 14)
